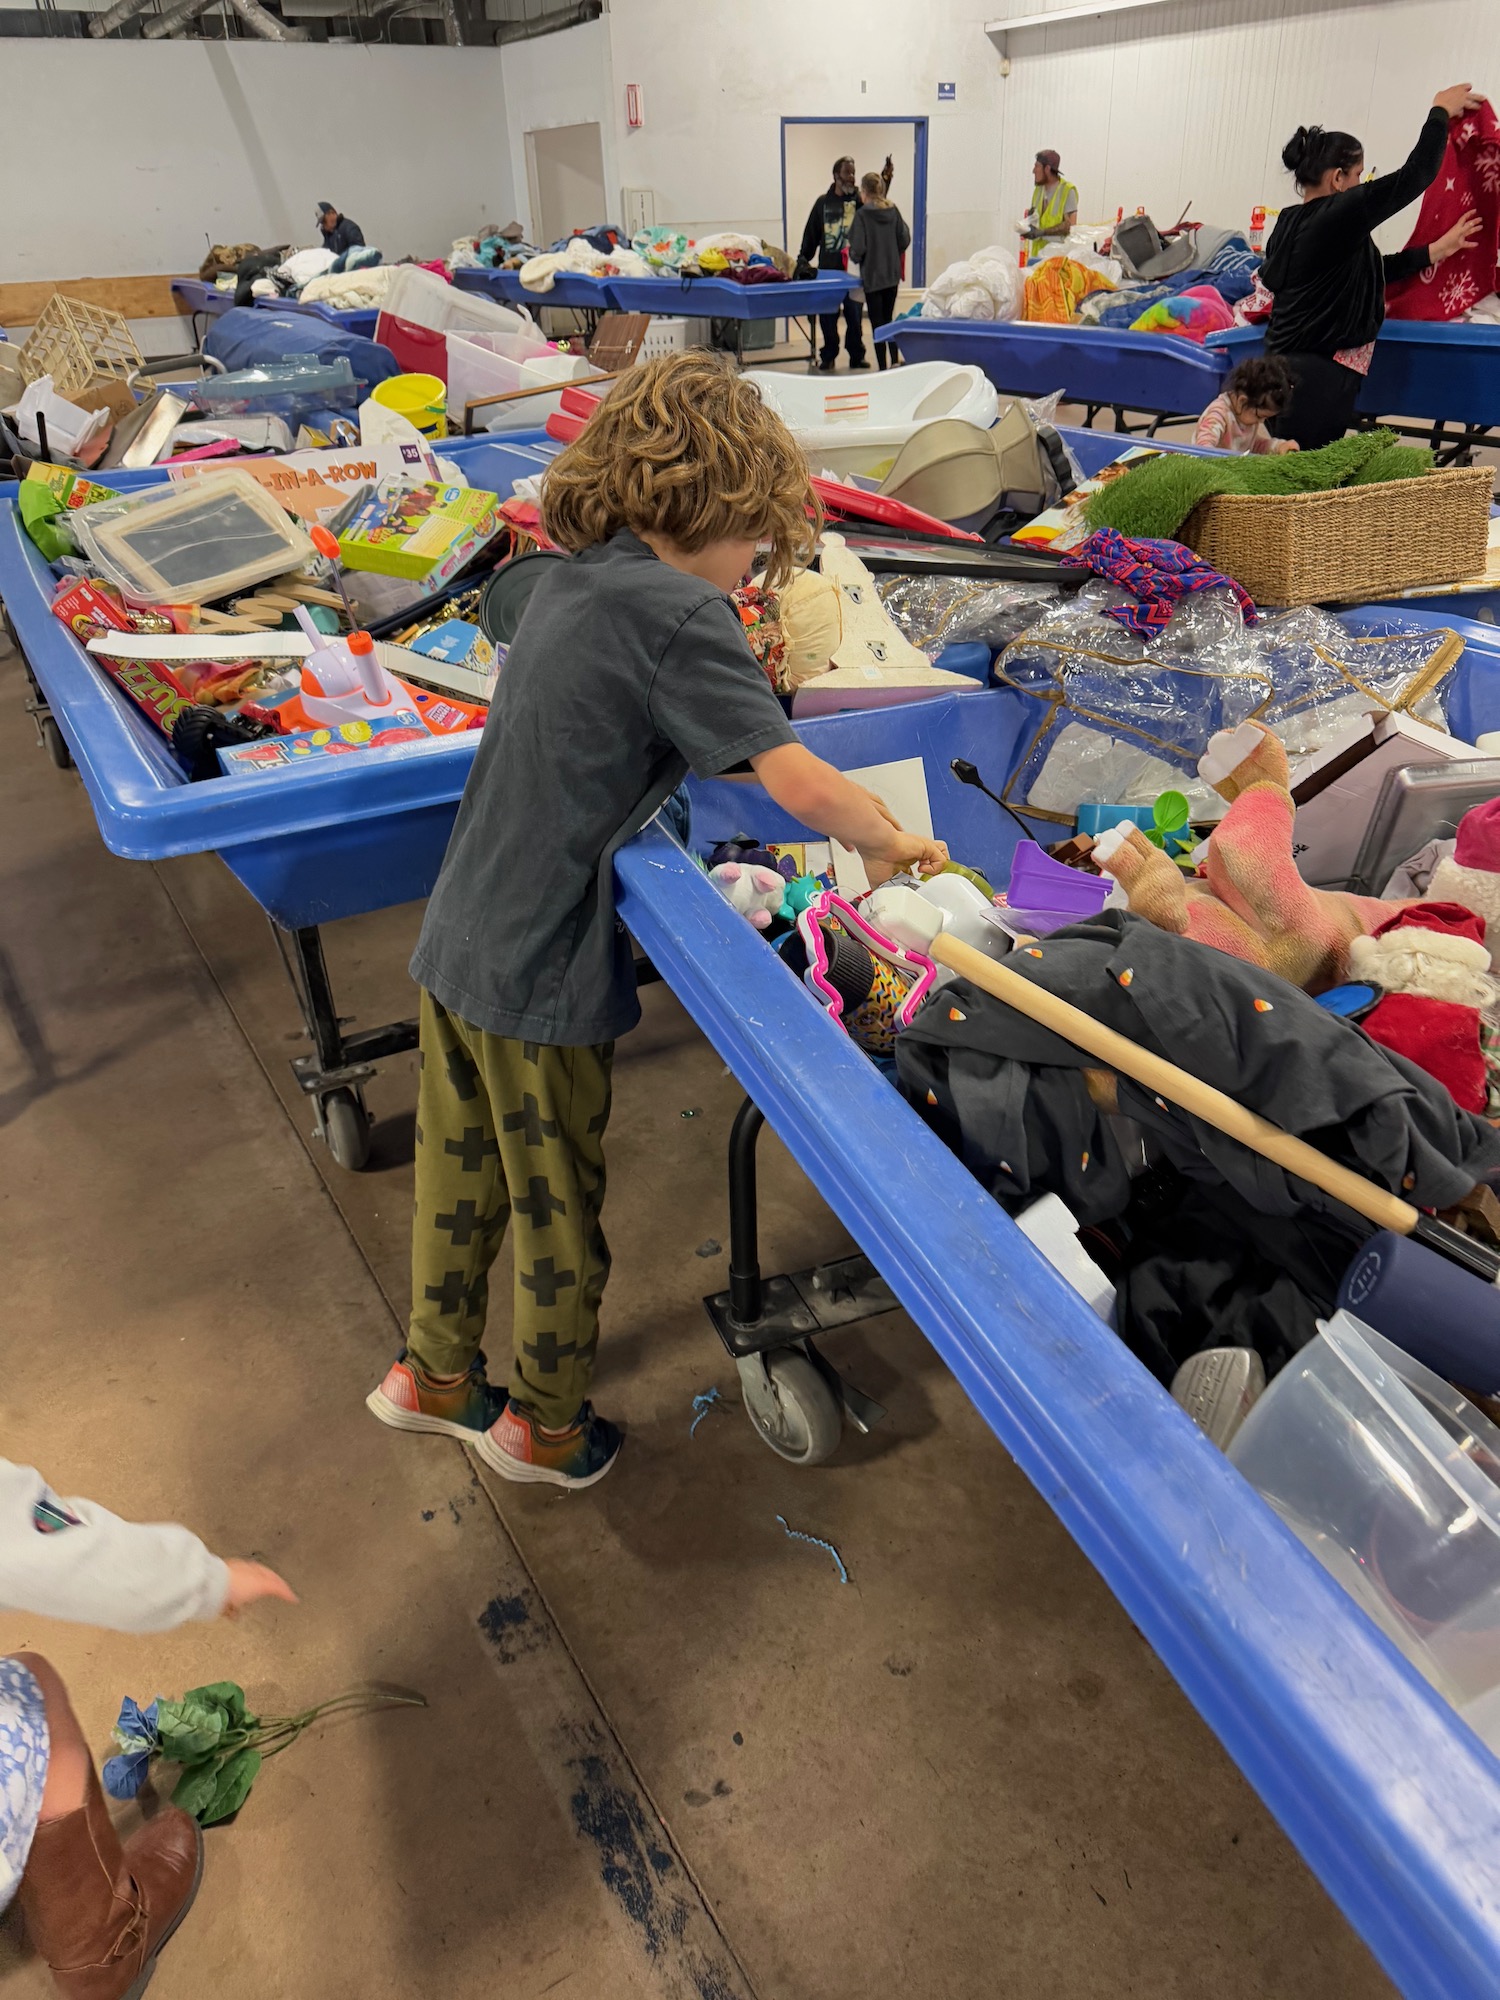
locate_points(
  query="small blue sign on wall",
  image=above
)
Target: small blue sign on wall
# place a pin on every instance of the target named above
(947, 93)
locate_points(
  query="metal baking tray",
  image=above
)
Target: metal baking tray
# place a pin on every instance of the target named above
(1418, 803)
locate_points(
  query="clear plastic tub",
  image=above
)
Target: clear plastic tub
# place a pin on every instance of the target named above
(290, 390)
(425, 300)
(485, 364)
(1392, 1479)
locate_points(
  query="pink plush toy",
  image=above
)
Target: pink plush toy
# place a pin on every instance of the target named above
(1250, 901)
(754, 891)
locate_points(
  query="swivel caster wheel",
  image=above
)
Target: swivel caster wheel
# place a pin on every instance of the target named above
(791, 1405)
(344, 1127)
(56, 745)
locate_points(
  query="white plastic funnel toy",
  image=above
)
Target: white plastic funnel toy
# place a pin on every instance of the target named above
(343, 681)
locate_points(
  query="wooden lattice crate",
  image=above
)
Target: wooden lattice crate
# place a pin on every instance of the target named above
(76, 343)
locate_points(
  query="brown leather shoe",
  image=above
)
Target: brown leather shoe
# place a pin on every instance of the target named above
(99, 1913)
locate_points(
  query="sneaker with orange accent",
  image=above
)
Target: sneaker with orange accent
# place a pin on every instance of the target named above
(408, 1400)
(518, 1448)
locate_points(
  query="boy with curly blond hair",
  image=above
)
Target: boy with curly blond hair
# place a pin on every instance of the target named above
(628, 670)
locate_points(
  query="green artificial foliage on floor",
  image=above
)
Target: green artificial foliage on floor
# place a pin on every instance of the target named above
(1158, 496)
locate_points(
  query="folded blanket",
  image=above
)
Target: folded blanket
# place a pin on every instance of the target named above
(1193, 314)
(1158, 496)
(1056, 286)
(350, 291)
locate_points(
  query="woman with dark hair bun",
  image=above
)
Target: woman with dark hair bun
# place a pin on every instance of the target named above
(1326, 274)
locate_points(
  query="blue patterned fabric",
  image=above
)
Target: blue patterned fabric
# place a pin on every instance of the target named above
(1231, 271)
(23, 1770)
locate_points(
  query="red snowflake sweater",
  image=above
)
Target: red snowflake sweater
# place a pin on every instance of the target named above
(1469, 178)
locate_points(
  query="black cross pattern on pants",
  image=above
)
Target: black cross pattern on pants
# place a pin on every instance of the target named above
(456, 1293)
(465, 1223)
(546, 1352)
(546, 1283)
(463, 1072)
(474, 1149)
(530, 1122)
(541, 1204)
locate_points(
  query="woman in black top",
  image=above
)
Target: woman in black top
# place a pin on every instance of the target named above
(1326, 275)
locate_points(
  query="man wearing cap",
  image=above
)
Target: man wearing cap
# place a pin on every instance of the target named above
(825, 241)
(339, 233)
(1054, 201)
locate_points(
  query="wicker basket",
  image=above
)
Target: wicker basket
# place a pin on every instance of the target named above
(1352, 542)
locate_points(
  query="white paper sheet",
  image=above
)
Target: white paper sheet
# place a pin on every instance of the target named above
(903, 786)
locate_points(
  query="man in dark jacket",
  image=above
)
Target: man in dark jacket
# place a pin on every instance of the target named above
(339, 233)
(825, 241)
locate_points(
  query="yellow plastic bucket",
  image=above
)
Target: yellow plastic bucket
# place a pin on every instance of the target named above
(421, 399)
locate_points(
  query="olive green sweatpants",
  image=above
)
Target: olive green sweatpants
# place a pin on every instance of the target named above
(509, 1132)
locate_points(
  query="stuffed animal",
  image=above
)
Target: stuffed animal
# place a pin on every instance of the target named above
(755, 892)
(1471, 874)
(1431, 961)
(1250, 902)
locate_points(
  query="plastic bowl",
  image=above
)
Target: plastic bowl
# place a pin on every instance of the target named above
(1392, 1479)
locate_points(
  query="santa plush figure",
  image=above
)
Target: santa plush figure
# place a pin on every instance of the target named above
(1471, 874)
(1433, 967)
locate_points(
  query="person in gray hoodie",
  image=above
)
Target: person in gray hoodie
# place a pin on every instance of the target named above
(878, 241)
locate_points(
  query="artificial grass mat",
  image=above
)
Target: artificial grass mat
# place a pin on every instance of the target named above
(1157, 497)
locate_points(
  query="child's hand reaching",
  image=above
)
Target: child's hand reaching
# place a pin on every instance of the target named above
(249, 1581)
(902, 853)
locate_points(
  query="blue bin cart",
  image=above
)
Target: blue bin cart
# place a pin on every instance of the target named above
(197, 300)
(729, 306)
(571, 290)
(1389, 1797)
(324, 848)
(1156, 375)
(358, 320)
(1446, 375)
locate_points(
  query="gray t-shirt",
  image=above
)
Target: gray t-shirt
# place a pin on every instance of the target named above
(624, 675)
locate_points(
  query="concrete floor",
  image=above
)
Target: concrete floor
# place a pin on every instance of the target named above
(667, 1753)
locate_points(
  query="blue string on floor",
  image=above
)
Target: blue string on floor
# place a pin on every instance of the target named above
(818, 1543)
(703, 1404)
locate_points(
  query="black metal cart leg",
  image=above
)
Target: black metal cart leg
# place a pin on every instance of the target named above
(795, 1399)
(745, 1299)
(340, 1065)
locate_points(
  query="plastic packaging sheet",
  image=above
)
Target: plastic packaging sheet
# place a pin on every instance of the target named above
(1120, 719)
(937, 611)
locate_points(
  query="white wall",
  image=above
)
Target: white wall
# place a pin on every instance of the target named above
(719, 75)
(560, 79)
(1196, 99)
(199, 142)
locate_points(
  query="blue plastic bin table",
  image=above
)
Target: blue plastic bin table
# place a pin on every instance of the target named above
(731, 306)
(307, 854)
(675, 298)
(1157, 375)
(1448, 375)
(1387, 1794)
(200, 301)
(570, 289)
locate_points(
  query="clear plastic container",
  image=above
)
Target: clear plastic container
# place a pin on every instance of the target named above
(427, 300)
(1392, 1479)
(497, 364)
(290, 390)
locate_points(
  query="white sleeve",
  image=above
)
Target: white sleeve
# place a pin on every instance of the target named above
(67, 1558)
